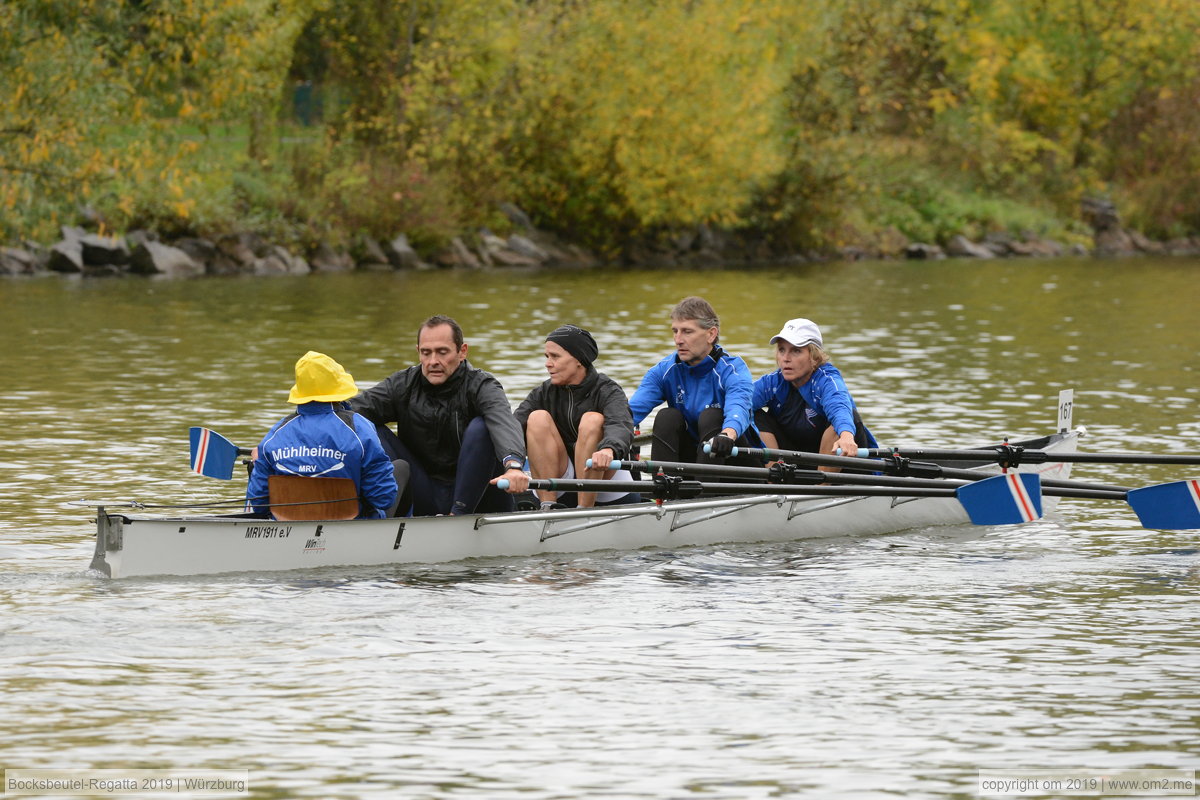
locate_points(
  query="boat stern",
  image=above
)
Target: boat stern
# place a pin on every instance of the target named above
(108, 540)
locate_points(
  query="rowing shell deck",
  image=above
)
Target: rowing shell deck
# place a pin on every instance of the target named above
(128, 546)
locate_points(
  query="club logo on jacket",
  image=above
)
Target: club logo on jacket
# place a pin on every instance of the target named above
(304, 451)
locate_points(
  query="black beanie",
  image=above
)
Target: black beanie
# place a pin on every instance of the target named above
(577, 342)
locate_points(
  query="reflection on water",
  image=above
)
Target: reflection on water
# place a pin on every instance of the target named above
(845, 668)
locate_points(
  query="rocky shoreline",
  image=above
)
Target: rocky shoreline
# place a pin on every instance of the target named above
(90, 253)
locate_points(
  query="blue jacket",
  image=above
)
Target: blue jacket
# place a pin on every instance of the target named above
(718, 381)
(317, 441)
(824, 392)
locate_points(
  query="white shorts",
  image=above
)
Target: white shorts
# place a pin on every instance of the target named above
(601, 497)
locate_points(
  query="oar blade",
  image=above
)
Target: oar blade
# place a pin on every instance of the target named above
(1007, 499)
(212, 455)
(1167, 506)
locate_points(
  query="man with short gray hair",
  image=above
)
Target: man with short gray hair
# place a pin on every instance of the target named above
(707, 392)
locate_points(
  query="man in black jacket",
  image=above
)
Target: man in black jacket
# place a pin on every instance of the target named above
(454, 427)
(576, 415)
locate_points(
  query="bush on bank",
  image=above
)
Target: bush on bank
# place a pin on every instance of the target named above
(624, 128)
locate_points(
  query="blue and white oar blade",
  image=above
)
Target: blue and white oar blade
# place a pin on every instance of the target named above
(212, 454)
(1003, 500)
(1167, 506)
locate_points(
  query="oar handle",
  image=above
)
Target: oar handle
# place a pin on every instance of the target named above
(817, 458)
(616, 464)
(580, 485)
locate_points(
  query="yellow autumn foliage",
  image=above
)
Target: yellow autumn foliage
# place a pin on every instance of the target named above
(605, 119)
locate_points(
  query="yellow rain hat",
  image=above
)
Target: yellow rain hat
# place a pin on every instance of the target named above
(320, 379)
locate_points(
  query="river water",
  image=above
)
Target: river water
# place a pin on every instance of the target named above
(899, 666)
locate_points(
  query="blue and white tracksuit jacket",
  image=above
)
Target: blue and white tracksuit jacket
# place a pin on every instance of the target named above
(318, 442)
(718, 381)
(824, 393)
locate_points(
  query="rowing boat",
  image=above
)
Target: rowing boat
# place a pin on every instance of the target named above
(128, 545)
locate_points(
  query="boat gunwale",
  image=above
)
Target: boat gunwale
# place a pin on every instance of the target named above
(112, 526)
(643, 508)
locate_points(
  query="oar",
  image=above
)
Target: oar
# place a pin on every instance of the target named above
(790, 475)
(999, 500)
(1164, 506)
(787, 475)
(903, 467)
(1168, 506)
(1012, 455)
(994, 500)
(212, 454)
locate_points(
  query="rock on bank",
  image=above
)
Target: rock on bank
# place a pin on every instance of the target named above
(90, 253)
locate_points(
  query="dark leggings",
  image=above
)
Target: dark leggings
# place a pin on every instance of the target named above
(804, 439)
(467, 493)
(673, 442)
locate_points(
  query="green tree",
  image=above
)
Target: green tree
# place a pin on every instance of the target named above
(1035, 83)
(649, 116)
(103, 99)
(56, 82)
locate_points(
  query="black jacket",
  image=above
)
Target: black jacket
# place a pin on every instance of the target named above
(431, 420)
(568, 404)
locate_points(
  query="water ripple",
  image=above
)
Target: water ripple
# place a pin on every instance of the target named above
(855, 668)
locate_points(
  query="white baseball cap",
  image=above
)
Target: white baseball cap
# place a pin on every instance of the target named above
(799, 332)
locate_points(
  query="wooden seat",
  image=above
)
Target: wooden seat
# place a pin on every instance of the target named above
(318, 498)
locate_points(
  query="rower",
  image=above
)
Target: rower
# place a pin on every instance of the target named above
(804, 405)
(707, 392)
(454, 427)
(576, 422)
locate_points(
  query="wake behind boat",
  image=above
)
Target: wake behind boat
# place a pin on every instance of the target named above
(129, 545)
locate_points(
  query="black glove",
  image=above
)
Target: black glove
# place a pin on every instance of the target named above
(720, 446)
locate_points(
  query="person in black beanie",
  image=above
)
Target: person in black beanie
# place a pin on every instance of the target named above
(576, 341)
(576, 415)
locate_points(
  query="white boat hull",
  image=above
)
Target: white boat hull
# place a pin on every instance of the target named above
(128, 546)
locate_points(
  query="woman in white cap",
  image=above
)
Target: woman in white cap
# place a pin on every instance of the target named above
(805, 405)
(323, 438)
